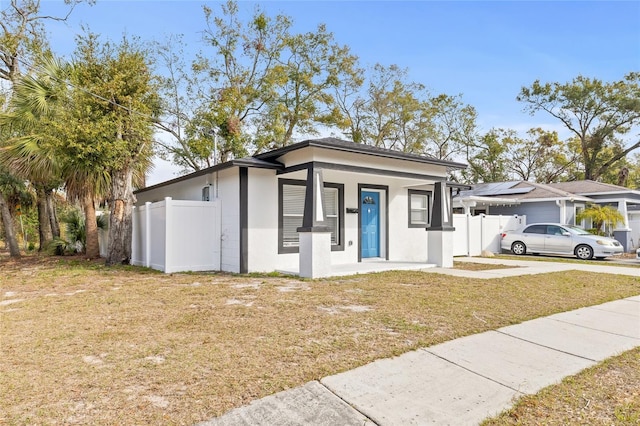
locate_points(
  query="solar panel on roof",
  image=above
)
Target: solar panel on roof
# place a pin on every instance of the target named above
(502, 190)
(515, 191)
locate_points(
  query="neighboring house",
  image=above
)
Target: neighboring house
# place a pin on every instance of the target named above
(323, 202)
(556, 202)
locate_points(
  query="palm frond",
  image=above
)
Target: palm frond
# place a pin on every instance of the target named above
(26, 156)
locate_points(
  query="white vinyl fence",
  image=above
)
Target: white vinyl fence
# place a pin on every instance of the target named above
(176, 235)
(474, 234)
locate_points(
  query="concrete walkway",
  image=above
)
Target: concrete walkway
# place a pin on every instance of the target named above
(529, 267)
(463, 381)
(519, 267)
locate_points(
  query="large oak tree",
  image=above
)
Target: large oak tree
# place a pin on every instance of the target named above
(115, 105)
(602, 116)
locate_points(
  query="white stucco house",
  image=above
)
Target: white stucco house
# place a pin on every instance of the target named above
(306, 208)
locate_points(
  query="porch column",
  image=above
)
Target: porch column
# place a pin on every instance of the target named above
(622, 232)
(440, 232)
(622, 208)
(315, 235)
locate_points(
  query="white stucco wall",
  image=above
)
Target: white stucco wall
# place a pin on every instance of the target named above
(262, 221)
(352, 239)
(229, 195)
(359, 160)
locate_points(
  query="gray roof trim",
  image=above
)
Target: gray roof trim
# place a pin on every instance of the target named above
(257, 163)
(347, 146)
(239, 162)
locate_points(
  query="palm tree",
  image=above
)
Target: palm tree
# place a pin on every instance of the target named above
(41, 154)
(8, 184)
(43, 178)
(26, 118)
(601, 216)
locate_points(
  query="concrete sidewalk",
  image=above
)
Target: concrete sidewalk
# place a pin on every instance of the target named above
(530, 267)
(463, 381)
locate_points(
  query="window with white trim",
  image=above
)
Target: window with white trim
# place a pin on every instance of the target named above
(291, 212)
(419, 208)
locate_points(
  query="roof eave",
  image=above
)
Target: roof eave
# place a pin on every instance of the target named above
(359, 149)
(239, 162)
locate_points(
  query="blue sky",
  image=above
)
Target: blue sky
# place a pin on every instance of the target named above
(484, 50)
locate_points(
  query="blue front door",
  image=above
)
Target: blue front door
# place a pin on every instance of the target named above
(370, 216)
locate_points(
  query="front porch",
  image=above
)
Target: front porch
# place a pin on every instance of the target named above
(368, 266)
(371, 218)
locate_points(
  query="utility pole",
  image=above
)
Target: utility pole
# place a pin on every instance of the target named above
(214, 131)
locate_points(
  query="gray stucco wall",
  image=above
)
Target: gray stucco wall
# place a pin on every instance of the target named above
(535, 212)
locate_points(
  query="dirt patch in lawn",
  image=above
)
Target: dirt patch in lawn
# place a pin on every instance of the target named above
(85, 344)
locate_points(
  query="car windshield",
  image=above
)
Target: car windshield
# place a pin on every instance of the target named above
(577, 230)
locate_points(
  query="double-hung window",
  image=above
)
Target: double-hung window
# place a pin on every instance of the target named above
(419, 205)
(291, 211)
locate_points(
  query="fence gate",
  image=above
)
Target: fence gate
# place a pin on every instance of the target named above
(177, 235)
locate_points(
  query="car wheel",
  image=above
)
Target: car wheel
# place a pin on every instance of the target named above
(518, 248)
(584, 252)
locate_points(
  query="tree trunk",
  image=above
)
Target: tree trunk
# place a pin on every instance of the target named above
(120, 220)
(9, 232)
(92, 246)
(51, 212)
(44, 225)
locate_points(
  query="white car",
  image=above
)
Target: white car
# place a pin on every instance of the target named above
(554, 238)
